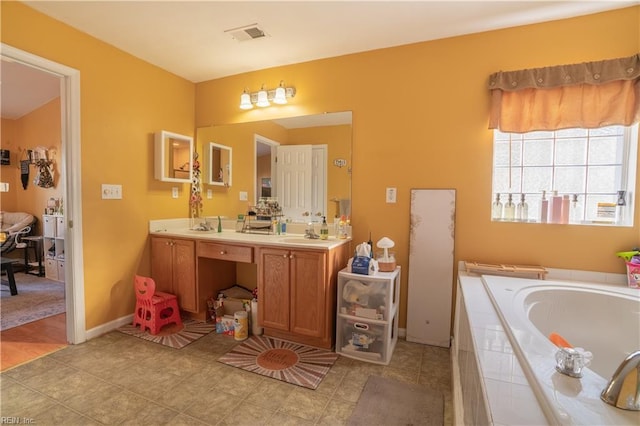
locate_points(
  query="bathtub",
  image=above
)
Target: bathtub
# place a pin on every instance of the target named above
(508, 323)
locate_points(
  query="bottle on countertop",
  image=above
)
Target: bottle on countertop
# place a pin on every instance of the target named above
(370, 242)
(555, 208)
(324, 229)
(522, 210)
(509, 209)
(219, 224)
(496, 209)
(342, 228)
(575, 216)
(544, 208)
(565, 208)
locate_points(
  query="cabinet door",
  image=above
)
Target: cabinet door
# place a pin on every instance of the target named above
(184, 274)
(161, 263)
(308, 293)
(49, 226)
(61, 227)
(273, 289)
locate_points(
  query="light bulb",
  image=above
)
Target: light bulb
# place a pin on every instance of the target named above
(280, 96)
(245, 101)
(263, 101)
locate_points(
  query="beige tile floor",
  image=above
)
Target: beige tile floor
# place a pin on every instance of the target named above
(119, 379)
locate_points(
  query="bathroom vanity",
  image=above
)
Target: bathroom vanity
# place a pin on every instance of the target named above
(296, 278)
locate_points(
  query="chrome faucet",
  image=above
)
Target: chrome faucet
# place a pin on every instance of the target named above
(310, 233)
(623, 390)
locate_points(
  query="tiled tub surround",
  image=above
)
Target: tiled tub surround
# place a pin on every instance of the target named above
(506, 374)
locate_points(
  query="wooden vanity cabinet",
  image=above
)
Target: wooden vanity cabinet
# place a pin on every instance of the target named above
(173, 266)
(296, 293)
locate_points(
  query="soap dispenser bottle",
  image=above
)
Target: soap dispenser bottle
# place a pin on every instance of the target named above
(496, 209)
(522, 209)
(324, 229)
(509, 209)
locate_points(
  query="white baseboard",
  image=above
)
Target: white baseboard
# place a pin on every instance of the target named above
(107, 327)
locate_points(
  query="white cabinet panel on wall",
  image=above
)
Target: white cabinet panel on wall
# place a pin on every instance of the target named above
(431, 257)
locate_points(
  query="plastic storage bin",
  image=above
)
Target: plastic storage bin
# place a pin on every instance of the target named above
(366, 323)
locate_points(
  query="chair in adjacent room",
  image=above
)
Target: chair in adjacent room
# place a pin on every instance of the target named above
(154, 309)
(13, 226)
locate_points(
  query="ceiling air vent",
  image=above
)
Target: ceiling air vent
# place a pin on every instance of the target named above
(249, 32)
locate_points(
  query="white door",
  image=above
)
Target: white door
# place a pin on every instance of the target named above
(431, 266)
(294, 181)
(318, 182)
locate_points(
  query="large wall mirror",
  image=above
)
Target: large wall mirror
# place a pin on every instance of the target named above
(311, 177)
(173, 157)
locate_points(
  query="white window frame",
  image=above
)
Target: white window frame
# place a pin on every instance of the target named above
(628, 169)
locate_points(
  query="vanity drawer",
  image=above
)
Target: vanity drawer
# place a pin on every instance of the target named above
(225, 252)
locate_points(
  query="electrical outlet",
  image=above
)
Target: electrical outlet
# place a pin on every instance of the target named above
(209, 194)
(174, 192)
(391, 195)
(111, 192)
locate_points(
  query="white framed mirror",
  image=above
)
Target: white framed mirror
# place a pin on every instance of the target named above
(173, 157)
(218, 164)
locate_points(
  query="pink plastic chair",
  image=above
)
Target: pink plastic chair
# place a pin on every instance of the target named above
(154, 309)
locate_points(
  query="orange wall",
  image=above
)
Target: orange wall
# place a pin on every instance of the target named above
(39, 128)
(9, 174)
(420, 115)
(124, 100)
(419, 121)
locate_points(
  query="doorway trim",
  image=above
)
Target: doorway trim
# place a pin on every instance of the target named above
(72, 190)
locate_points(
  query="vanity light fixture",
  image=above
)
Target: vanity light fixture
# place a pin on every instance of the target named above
(264, 97)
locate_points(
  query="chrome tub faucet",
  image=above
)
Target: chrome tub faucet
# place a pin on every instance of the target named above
(623, 390)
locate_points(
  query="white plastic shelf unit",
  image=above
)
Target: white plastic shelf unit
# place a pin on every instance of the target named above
(53, 233)
(367, 315)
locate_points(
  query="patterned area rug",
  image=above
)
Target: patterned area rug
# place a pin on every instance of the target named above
(289, 362)
(37, 298)
(172, 335)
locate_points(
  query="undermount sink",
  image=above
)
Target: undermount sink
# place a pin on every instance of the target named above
(301, 240)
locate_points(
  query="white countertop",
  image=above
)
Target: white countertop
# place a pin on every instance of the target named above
(179, 228)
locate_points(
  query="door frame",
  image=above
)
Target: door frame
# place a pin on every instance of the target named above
(72, 190)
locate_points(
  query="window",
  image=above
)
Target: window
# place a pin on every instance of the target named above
(590, 166)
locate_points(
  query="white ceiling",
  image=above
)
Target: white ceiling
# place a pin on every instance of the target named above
(188, 38)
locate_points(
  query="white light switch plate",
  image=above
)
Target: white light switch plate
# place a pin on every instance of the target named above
(174, 192)
(209, 194)
(111, 192)
(391, 195)
(244, 196)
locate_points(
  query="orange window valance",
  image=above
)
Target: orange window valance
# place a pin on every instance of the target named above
(587, 95)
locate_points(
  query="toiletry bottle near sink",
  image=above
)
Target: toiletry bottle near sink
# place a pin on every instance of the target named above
(324, 229)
